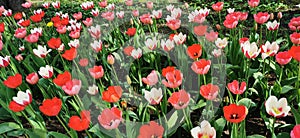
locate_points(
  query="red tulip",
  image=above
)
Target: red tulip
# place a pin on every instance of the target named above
(110, 118)
(32, 78)
(201, 66)
(230, 23)
(150, 130)
(62, 79)
(218, 6)
(295, 52)
(194, 51)
(209, 91)
(24, 23)
(112, 94)
(70, 54)
(15, 107)
(13, 81)
(261, 17)
(51, 107)
(131, 31)
(295, 38)
(127, 50)
(180, 99)
(253, 3)
(18, 16)
(200, 30)
(80, 124)
(235, 113)
(96, 72)
(295, 133)
(36, 18)
(283, 58)
(4, 61)
(236, 88)
(54, 43)
(2, 27)
(173, 78)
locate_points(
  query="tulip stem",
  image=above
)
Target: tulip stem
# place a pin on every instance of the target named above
(281, 72)
(63, 124)
(273, 128)
(188, 121)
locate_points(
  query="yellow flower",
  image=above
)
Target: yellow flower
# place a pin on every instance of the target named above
(49, 24)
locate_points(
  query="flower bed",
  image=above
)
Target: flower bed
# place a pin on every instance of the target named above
(99, 69)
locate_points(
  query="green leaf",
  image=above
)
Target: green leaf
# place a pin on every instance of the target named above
(173, 119)
(247, 102)
(57, 135)
(8, 126)
(296, 115)
(286, 89)
(16, 133)
(36, 133)
(219, 126)
(256, 136)
(283, 135)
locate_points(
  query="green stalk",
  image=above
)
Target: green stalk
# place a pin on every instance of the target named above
(63, 124)
(298, 86)
(281, 72)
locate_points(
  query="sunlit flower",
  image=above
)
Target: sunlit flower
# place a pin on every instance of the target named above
(269, 49)
(272, 25)
(93, 90)
(151, 43)
(41, 51)
(153, 96)
(167, 45)
(277, 108)
(235, 113)
(46, 72)
(136, 53)
(179, 38)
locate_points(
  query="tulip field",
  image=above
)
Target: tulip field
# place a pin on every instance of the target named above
(151, 69)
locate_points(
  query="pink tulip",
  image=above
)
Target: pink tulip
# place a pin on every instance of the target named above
(20, 33)
(151, 79)
(32, 78)
(72, 87)
(237, 88)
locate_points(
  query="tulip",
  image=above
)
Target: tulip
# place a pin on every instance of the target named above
(46, 72)
(92, 90)
(209, 91)
(41, 51)
(72, 87)
(295, 38)
(283, 58)
(151, 79)
(32, 78)
(218, 6)
(261, 17)
(152, 129)
(204, 131)
(154, 96)
(221, 43)
(110, 118)
(277, 108)
(180, 99)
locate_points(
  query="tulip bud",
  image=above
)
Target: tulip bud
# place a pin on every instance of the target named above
(22, 48)
(128, 79)
(255, 27)
(110, 59)
(131, 21)
(218, 27)
(151, 21)
(19, 57)
(139, 22)
(271, 16)
(186, 5)
(279, 15)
